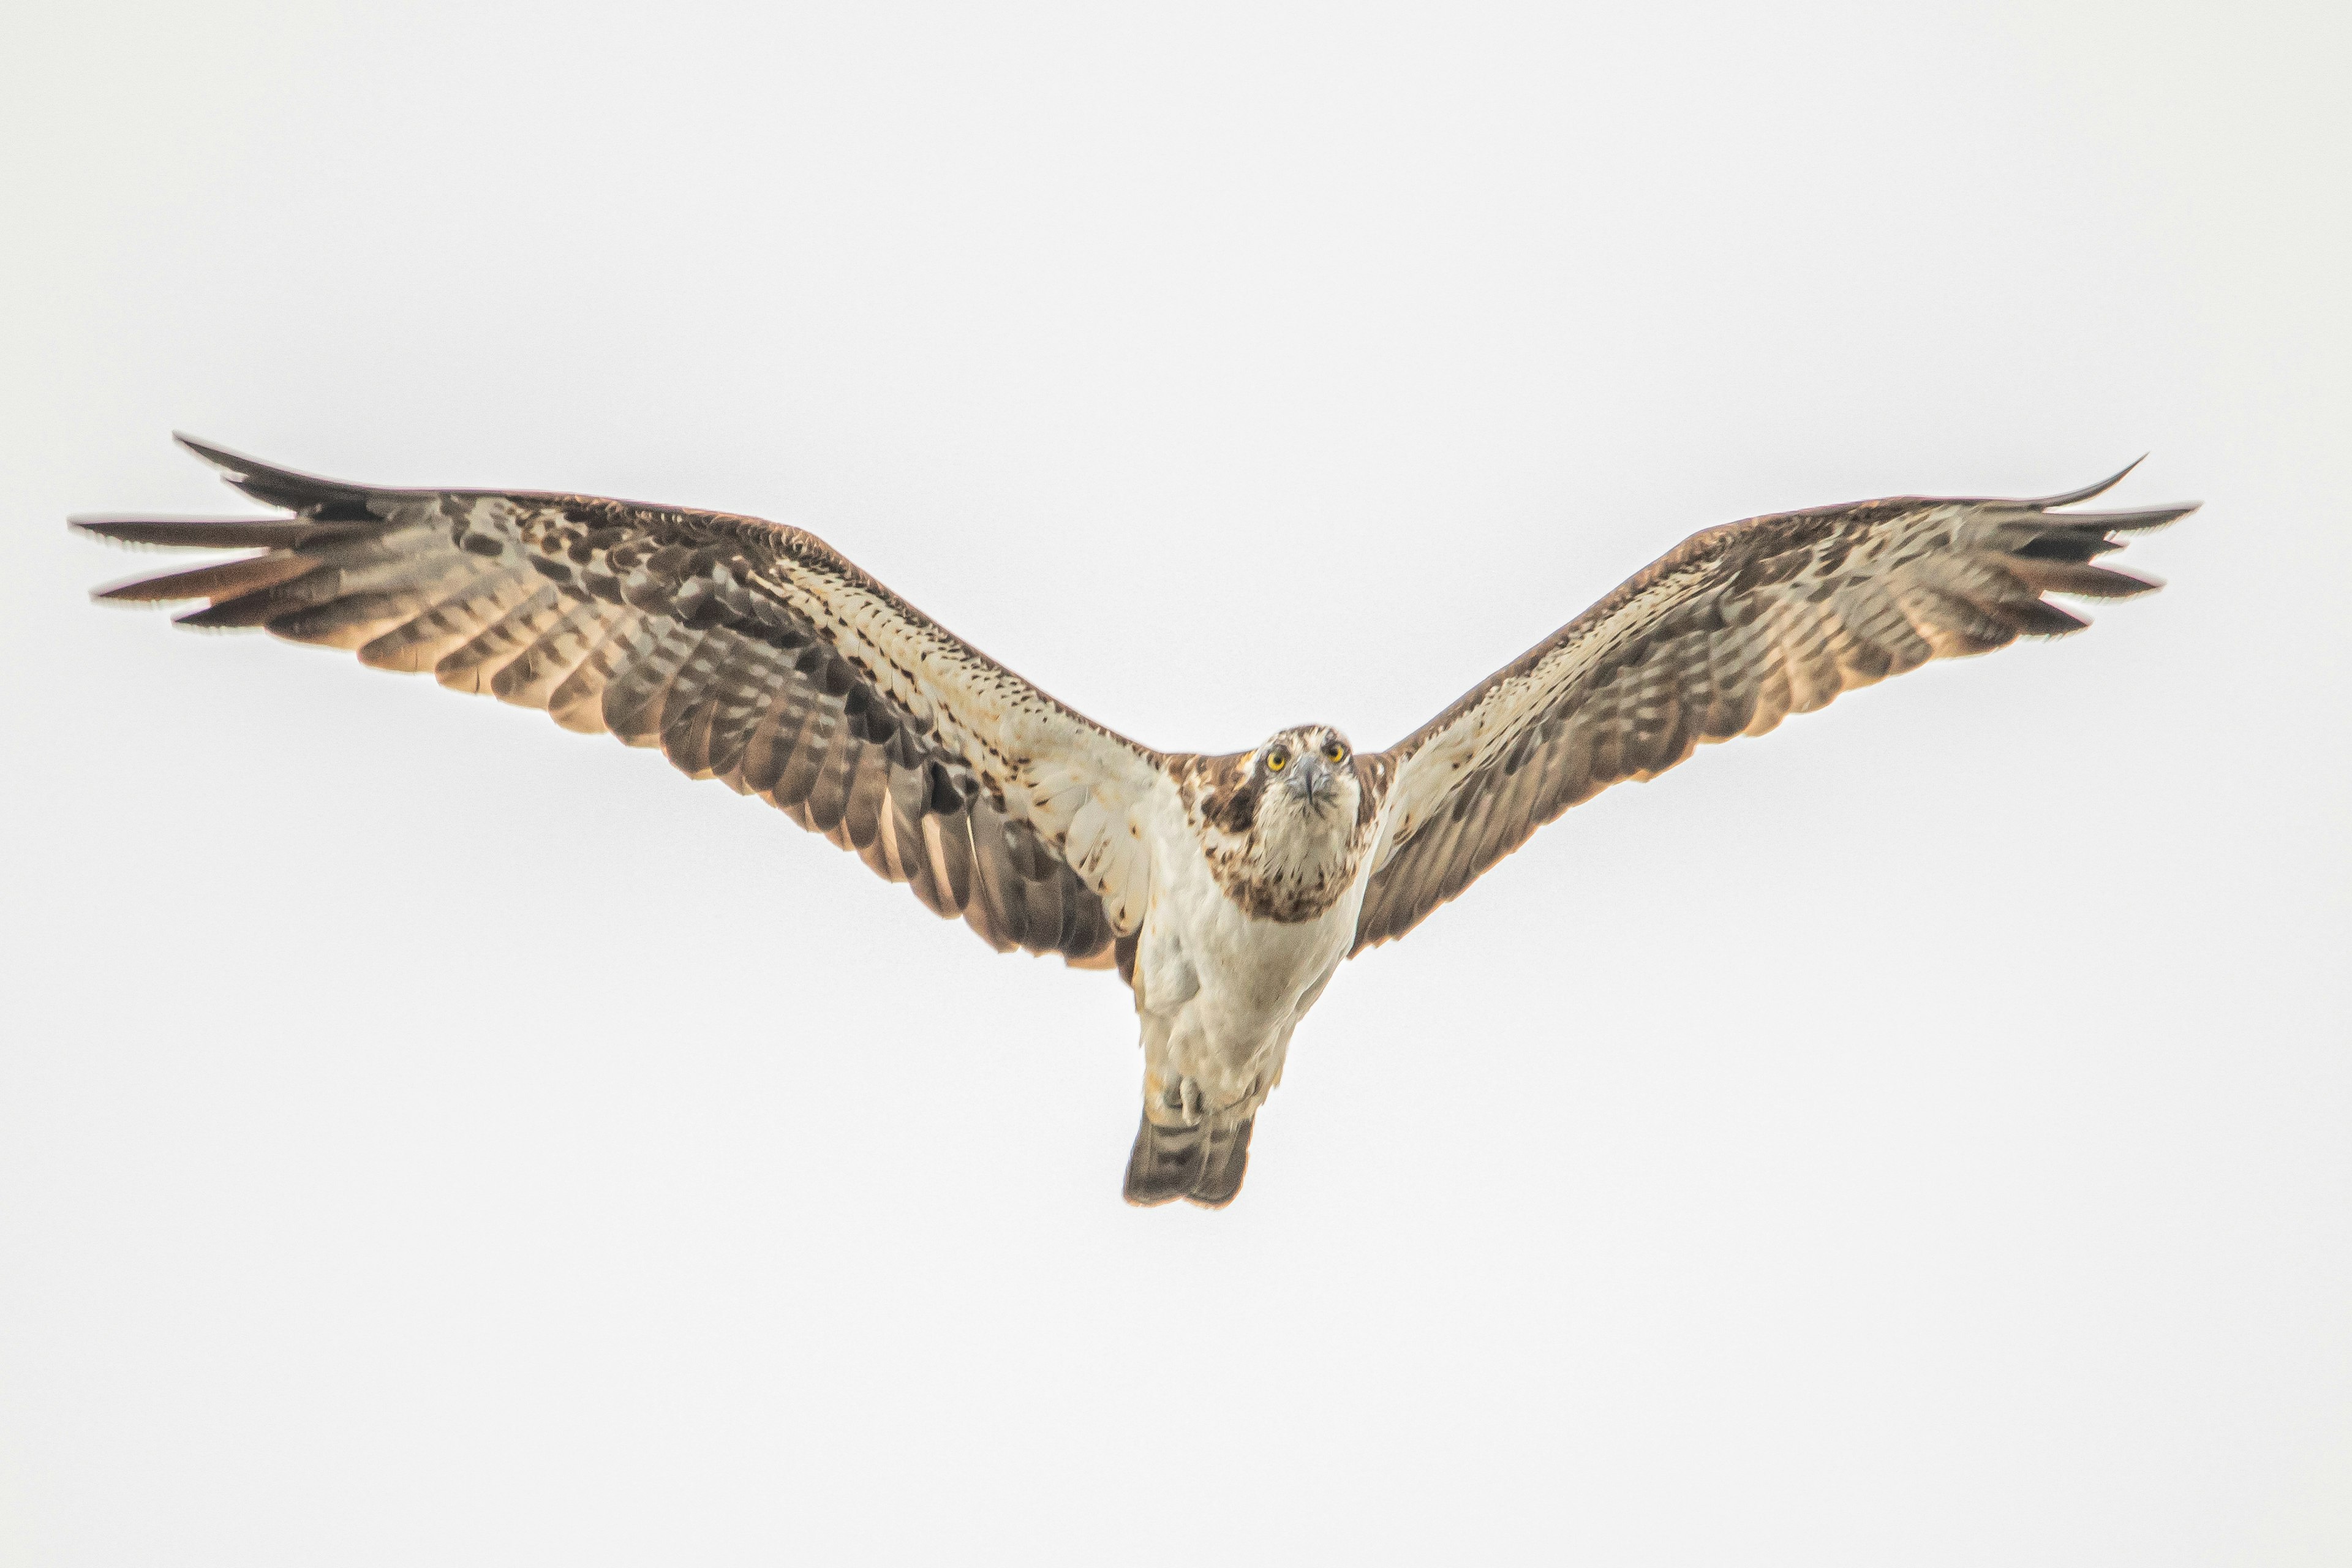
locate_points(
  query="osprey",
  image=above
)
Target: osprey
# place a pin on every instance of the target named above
(1225, 889)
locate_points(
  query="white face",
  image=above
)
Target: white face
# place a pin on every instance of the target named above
(1308, 786)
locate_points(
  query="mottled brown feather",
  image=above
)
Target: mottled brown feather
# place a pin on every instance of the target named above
(724, 640)
(1726, 634)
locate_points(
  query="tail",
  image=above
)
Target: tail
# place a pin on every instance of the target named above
(1202, 1163)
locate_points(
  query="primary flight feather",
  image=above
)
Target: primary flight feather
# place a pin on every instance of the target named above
(1225, 890)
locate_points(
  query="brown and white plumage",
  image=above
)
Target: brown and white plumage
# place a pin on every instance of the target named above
(1226, 889)
(747, 652)
(1726, 634)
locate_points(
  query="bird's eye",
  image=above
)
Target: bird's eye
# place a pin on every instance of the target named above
(1334, 753)
(1276, 759)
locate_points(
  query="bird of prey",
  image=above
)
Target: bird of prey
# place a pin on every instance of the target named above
(1225, 890)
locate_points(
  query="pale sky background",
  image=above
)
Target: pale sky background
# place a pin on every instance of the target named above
(1923, 1136)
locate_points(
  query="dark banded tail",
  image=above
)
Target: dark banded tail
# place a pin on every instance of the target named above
(1201, 1163)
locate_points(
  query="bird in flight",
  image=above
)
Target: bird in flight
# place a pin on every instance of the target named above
(1225, 889)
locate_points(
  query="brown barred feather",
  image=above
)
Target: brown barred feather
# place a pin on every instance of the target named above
(218, 532)
(448, 614)
(770, 745)
(811, 725)
(578, 704)
(828, 797)
(532, 680)
(687, 734)
(927, 847)
(866, 796)
(636, 696)
(1039, 890)
(474, 665)
(257, 606)
(736, 707)
(996, 882)
(226, 580)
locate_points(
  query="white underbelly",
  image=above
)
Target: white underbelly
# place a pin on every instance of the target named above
(1219, 992)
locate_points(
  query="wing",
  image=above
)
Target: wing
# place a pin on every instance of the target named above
(748, 652)
(1736, 629)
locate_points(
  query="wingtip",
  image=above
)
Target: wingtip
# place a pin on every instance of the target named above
(2087, 491)
(313, 495)
(113, 528)
(218, 457)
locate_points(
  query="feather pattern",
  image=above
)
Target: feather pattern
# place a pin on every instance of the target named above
(742, 649)
(1225, 890)
(1728, 634)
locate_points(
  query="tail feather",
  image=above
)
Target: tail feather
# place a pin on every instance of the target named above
(1201, 1163)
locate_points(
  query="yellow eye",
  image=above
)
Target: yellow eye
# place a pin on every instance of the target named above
(1276, 759)
(1334, 753)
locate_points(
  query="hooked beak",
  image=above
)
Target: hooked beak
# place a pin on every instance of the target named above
(1310, 779)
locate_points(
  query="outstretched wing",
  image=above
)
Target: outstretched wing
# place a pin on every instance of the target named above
(1737, 628)
(747, 651)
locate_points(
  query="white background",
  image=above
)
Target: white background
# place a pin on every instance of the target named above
(1923, 1136)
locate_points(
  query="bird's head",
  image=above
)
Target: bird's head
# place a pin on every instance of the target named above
(1305, 783)
(1286, 826)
